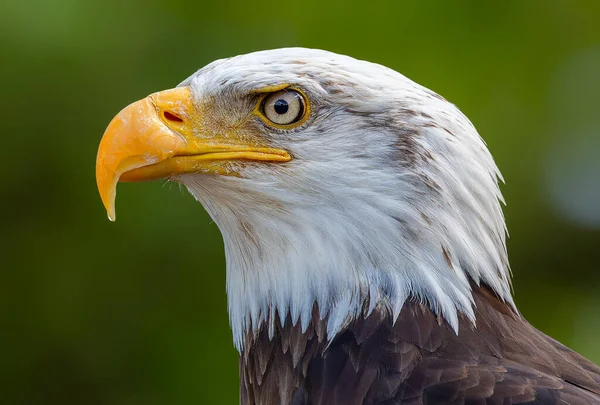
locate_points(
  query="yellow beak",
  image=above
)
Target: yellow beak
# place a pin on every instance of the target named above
(161, 136)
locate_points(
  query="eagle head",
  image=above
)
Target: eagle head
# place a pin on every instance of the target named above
(338, 185)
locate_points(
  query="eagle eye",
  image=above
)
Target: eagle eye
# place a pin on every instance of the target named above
(284, 107)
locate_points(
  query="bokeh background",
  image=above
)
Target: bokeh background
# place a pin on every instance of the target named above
(134, 312)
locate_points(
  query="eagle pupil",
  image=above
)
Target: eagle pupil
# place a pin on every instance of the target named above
(281, 106)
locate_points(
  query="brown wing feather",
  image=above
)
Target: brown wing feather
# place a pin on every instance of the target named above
(417, 360)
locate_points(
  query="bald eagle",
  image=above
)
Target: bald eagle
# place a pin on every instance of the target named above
(363, 232)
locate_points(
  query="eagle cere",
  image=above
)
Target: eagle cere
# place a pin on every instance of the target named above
(363, 231)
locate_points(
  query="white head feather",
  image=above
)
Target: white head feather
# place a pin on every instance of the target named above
(390, 194)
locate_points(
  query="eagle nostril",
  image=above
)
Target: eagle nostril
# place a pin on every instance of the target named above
(169, 116)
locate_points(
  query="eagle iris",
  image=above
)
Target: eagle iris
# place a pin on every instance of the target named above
(285, 107)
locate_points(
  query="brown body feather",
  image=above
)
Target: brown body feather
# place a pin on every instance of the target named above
(417, 360)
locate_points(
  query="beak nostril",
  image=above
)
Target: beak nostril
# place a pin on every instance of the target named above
(169, 116)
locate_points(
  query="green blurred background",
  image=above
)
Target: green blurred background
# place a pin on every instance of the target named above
(134, 312)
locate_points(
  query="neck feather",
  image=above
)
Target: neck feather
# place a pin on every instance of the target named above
(285, 258)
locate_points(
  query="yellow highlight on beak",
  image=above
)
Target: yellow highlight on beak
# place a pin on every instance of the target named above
(154, 138)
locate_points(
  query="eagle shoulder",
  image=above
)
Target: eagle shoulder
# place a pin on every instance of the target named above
(418, 359)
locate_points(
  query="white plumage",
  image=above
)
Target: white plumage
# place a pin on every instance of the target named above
(390, 193)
